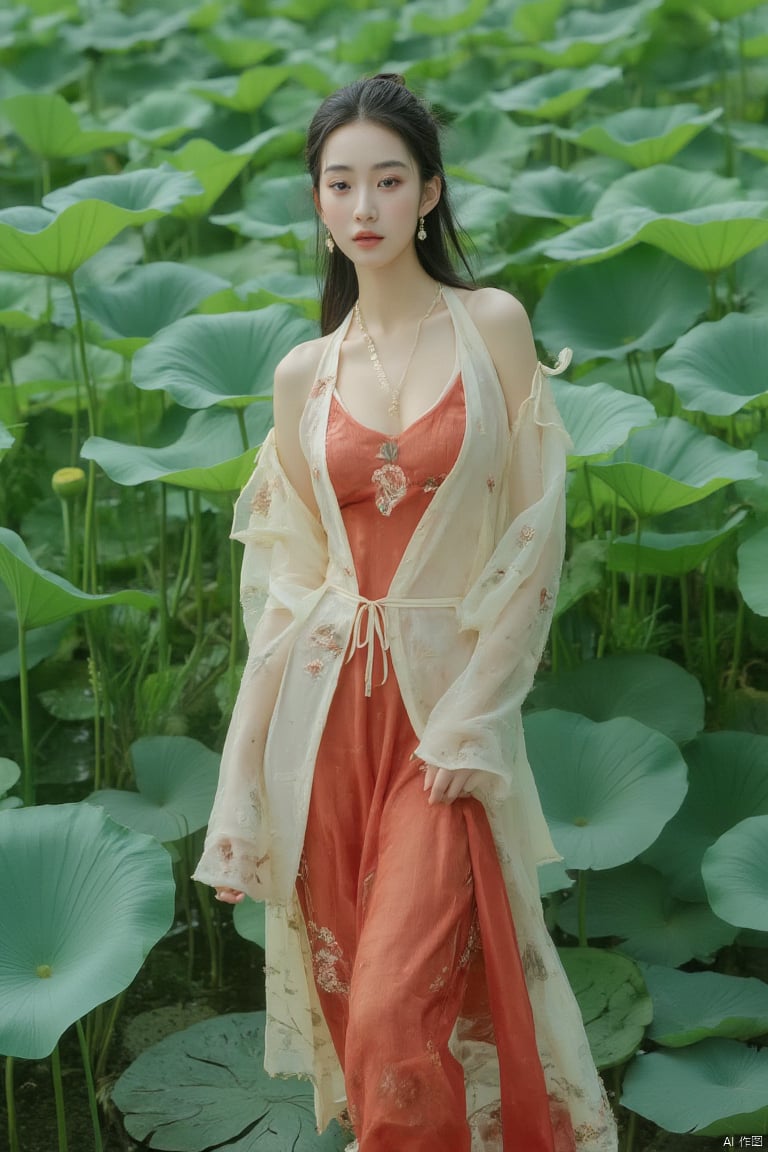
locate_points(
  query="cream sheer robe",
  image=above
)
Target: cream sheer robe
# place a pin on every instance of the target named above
(465, 623)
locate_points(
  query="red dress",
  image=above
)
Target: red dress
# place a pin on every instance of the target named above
(404, 903)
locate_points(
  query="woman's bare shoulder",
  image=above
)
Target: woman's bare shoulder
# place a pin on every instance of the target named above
(503, 323)
(496, 312)
(296, 372)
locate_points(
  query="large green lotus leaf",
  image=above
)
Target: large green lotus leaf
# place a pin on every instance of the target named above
(204, 451)
(607, 789)
(161, 117)
(728, 9)
(552, 193)
(176, 781)
(43, 597)
(245, 91)
(553, 877)
(709, 238)
(44, 243)
(735, 872)
(554, 93)
(667, 190)
(672, 464)
(249, 920)
(146, 192)
(49, 127)
(479, 209)
(444, 17)
(369, 38)
(583, 572)
(613, 999)
(485, 145)
(206, 1088)
(272, 144)
(213, 168)
(274, 208)
(669, 553)
(727, 782)
(655, 691)
(82, 901)
(719, 367)
(645, 136)
(535, 20)
(109, 30)
(753, 566)
(145, 299)
(717, 1087)
(640, 300)
(634, 903)
(23, 301)
(691, 1006)
(241, 43)
(205, 360)
(280, 288)
(598, 417)
(582, 36)
(751, 138)
(47, 376)
(10, 773)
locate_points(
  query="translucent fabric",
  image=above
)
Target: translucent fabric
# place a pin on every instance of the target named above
(464, 622)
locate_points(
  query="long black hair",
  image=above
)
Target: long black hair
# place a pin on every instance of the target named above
(385, 100)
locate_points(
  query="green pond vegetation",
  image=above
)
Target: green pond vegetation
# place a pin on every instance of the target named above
(157, 245)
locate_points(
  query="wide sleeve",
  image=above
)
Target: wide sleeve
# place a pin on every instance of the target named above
(283, 570)
(476, 723)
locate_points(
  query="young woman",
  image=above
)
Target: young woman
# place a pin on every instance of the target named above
(403, 539)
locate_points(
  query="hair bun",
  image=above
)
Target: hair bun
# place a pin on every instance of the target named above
(392, 77)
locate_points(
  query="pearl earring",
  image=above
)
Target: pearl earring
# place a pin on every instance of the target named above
(329, 242)
(422, 232)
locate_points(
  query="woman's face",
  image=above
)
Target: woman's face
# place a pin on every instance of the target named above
(370, 194)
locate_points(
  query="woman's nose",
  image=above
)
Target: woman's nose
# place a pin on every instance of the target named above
(365, 209)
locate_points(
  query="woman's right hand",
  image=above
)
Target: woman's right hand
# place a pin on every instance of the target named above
(229, 895)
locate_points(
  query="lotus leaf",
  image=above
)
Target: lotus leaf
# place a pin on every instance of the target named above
(23, 302)
(110, 30)
(147, 192)
(735, 869)
(244, 92)
(753, 564)
(582, 574)
(667, 190)
(719, 367)
(655, 691)
(40, 642)
(206, 455)
(634, 903)
(143, 300)
(556, 93)
(205, 360)
(729, 9)
(213, 168)
(553, 878)
(206, 1087)
(727, 782)
(49, 127)
(484, 145)
(240, 43)
(598, 417)
(274, 208)
(249, 920)
(272, 144)
(709, 238)
(43, 597)
(691, 1006)
(613, 999)
(637, 301)
(670, 465)
(442, 17)
(176, 781)
(581, 36)
(10, 773)
(645, 136)
(607, 789)
(717, 1087)
(162, 117)
(669, 553)
(553, 193)
(82, 901)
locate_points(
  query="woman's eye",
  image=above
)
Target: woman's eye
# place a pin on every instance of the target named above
(339, 185)
(390, 182)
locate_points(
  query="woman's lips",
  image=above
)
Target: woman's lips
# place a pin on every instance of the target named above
(367, 240)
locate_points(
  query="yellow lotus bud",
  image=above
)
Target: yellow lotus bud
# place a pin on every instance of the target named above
(68, 483)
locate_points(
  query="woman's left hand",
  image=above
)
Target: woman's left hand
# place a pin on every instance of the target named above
(446, 785)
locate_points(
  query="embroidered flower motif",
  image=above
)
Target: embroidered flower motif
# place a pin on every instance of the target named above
(325, 959)
(440, 980)
(320, 385)
(262, 499)
(390, 480)
(314, 668)
(525, 535)
(326, 637)
(472, 945)
(315, 472)
(432, 483)
(533, 964)
(491, 483)
(545, 600)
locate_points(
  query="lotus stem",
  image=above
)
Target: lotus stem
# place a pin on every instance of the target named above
(196, 560)
(11, 379)
(92, 1105)
(58, 1092)
(184, 871)
(163, 651)
(629, 1134)
(581, 890)
(634, 575)
(654, 610)
(738, 640)
(709, 637)
(94, 678)
(240, 413)
(26, 728)
(89, 532)
(10, 1105)
(212, 936)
